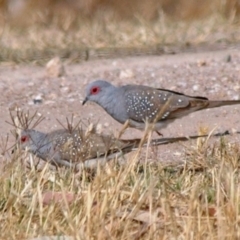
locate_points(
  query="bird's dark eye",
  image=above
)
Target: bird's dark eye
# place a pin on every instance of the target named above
(24, 139)
(95, 90)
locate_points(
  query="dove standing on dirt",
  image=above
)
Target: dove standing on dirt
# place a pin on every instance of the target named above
(64, 148)
(134, 105)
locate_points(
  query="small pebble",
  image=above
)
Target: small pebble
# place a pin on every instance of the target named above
(70, 99)
(228, 58)
(201, 63)
(236, 88)
(236, 97)
(224, 79)
(128, 73)
(65, 89)
(38, 99)
(195, 87)
(106, 124)
(99, 128)
(181, 84)
(177, 154)
(153, 75)
(114, 63)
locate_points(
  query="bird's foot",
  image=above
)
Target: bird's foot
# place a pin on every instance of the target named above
(159, 134)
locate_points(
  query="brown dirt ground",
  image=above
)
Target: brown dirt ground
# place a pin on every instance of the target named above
(215, 75)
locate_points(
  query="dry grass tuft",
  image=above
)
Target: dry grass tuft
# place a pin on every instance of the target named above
(199, 199)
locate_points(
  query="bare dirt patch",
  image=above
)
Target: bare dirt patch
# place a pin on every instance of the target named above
(211, 74)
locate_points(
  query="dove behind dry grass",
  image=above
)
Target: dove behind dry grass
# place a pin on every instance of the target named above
(62, 147)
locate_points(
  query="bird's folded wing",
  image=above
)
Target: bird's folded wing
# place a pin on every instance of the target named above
(92, 146)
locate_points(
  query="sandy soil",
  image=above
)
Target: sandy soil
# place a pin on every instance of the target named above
(215, 75)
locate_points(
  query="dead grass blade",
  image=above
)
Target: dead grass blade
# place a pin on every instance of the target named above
(24, 120)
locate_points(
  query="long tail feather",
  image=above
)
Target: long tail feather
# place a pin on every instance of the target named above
(133, 143)
(215, 104)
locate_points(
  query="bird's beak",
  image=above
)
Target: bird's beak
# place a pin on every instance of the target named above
(84, 101)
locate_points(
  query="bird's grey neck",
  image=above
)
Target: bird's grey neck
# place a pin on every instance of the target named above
(42, 146)
(113, 102)
(108, 99)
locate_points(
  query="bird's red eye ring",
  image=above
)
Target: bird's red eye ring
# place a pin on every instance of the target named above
(24, 139)
(95, 90)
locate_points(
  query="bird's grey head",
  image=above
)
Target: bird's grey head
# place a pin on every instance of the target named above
(32, 140)
(98, 91)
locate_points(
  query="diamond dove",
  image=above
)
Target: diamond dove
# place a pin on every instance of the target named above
(64, 148)
(134, 105)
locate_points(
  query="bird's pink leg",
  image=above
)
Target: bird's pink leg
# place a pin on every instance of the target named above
(125, 126)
